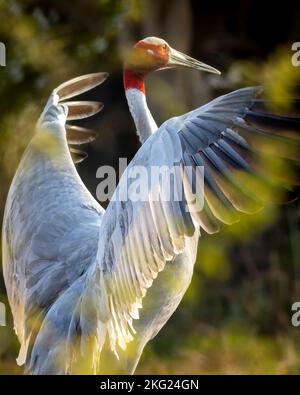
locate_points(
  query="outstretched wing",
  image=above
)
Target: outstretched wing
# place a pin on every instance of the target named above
(231, 137)
(147, 225)
(51, 221)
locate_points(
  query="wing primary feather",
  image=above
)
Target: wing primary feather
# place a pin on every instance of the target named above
(235, 138)
(289, 105)
(231, 155)
(201, 160)
(161, 227)
(78, 85)
(155, 244)
(82, 109)
(78, 135)
(201, 215)
(274, 122)
(78, 155)
(143, 230)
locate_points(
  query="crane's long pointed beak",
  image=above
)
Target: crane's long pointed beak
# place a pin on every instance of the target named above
(177, 58)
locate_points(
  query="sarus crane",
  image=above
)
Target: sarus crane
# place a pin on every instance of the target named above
(88, 287)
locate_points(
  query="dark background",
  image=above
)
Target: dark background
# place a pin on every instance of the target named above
(235, 318)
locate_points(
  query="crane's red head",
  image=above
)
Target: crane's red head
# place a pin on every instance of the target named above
(151, 54)
(148, 55)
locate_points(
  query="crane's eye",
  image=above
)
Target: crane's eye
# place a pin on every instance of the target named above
(164, 46)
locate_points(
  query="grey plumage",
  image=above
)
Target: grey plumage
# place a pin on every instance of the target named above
(88, 286)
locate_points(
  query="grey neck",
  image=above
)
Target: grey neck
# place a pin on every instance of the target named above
(141, 114)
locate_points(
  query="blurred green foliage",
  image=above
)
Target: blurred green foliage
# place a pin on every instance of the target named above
(235, 317)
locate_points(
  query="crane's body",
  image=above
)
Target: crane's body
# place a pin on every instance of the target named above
(69, 231)
(89, 288)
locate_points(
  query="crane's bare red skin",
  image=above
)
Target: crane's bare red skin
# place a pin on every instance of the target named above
(134, 75)
(134, 80)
